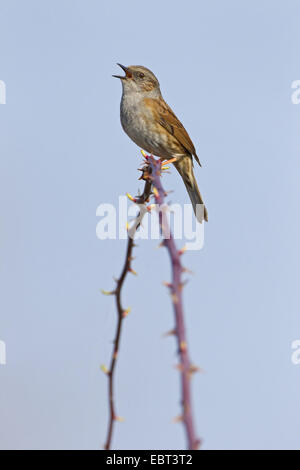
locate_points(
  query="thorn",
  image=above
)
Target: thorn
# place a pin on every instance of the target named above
(179, 367)
(119, 418)
(167, 284)
(155, 192)
(115, 355)
(186, 270)
(131, 198)
(161, 244)
(107, 292)
(174, 298)
(182, 250)
(126, 312)
(131, 258)
(150, 207)
(194, 369)
(177, 419)
(132, 271)
(104, 369)
(183, 346)
(170, 333)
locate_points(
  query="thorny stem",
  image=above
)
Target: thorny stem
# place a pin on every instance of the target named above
(120, 310)
(185, 366)
(151, 175)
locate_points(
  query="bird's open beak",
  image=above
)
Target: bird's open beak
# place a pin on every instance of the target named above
(126, 70)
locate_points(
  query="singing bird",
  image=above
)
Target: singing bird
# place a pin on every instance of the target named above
(151, 124)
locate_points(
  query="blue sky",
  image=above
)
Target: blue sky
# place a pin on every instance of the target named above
(226, 68)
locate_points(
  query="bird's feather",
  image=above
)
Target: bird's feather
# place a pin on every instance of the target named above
(164, 115)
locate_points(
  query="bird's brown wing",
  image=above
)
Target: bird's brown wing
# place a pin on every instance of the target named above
(167, 119)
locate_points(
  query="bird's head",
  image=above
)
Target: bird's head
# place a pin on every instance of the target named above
(138, 79)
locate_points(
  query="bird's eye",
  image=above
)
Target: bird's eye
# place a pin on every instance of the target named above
(141, 75)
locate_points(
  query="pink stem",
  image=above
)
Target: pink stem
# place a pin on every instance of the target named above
(185, 367)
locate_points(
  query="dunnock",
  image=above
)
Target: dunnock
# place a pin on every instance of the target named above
(151, 124)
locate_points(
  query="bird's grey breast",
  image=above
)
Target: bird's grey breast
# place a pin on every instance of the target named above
(138, 122)
(133, 118)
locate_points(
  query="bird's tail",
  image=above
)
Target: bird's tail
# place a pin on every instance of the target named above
(184, 166)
